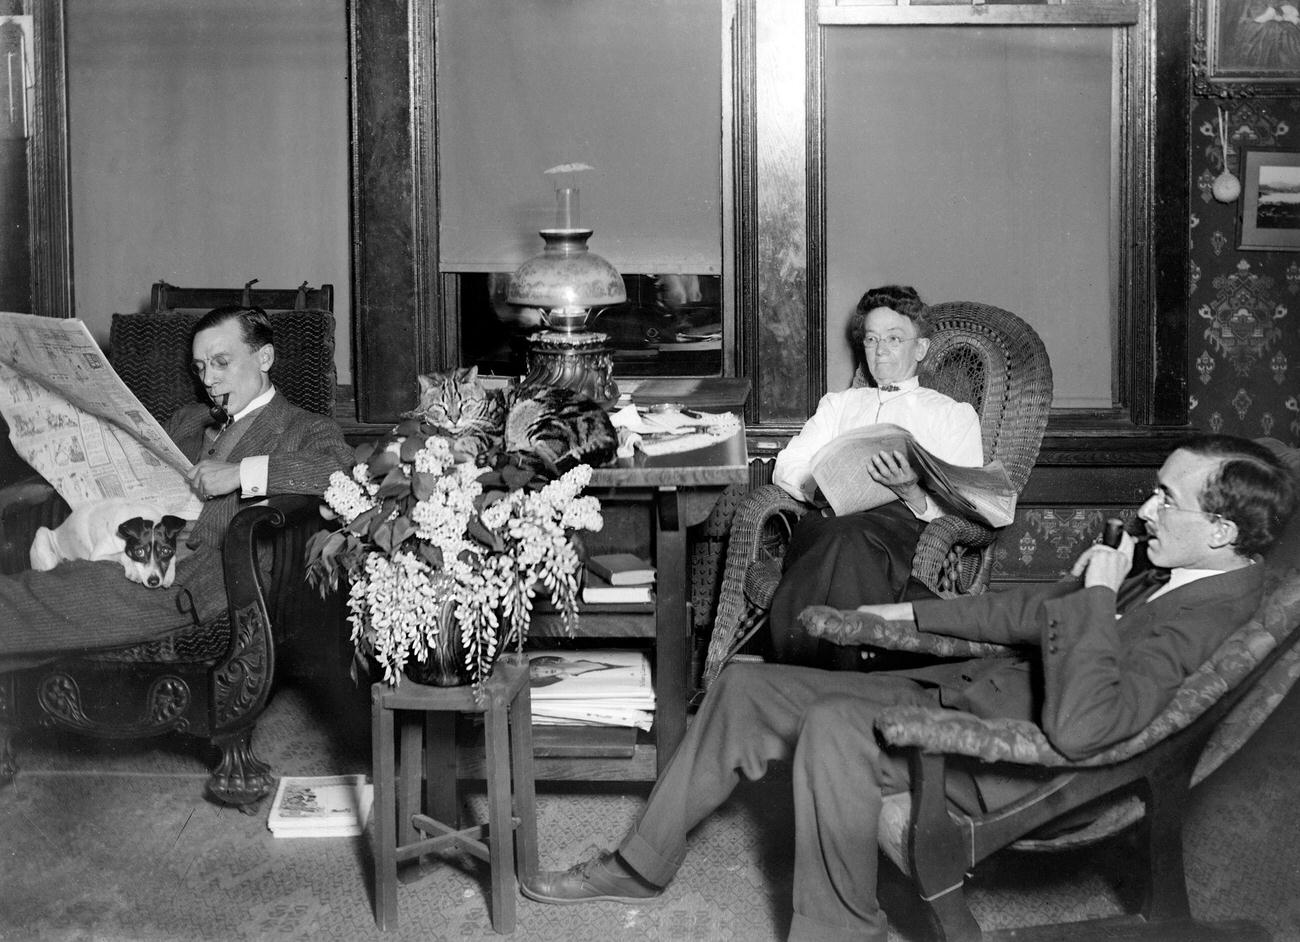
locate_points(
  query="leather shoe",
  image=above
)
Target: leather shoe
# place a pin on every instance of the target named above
(598, 880)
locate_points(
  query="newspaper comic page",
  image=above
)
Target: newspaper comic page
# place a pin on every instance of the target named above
(75, 422)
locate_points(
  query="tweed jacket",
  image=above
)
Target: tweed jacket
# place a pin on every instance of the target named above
(303, 450)
(1098, 679)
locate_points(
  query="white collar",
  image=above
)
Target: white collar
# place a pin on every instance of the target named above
(904, 385)
(257, 403)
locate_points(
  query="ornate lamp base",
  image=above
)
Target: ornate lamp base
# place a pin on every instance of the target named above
(580, 361)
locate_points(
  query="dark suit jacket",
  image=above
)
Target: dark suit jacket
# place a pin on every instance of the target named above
(303, 450)
(1098, 679)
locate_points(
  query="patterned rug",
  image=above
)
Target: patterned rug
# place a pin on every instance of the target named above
(115, 842)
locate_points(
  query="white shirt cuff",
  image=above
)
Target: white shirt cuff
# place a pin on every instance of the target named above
(931, 512)
(252, 476)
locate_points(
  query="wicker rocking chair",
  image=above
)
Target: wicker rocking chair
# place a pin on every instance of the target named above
(1141, 782)
(213, 681)
(979, 354)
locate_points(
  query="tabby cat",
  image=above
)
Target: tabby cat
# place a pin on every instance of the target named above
(456, 404)
(557, 429)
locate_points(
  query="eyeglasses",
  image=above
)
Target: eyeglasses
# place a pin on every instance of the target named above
(889, 343)
(1164, 505)
(220, 363)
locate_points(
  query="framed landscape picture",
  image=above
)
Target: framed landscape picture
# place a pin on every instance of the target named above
(1270, 200)
(1247, 48)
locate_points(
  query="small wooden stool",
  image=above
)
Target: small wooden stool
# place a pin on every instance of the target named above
(508, 760)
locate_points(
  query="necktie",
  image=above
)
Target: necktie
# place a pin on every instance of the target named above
(1136, 591)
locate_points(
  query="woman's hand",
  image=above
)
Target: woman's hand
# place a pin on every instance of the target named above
(894, 471)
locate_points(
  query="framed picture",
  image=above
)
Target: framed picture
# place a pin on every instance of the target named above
(1270, 200)
(1247, 48)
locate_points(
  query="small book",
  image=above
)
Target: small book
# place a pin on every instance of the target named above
(598, 590)
(320, 806)
(622, 568)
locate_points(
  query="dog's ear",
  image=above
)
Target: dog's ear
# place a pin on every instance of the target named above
(133, 529)
(172, 526)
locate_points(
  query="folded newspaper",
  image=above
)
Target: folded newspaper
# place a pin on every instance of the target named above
(840, 470)
(76, 423)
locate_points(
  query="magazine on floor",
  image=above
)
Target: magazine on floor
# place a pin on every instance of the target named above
(320, 806)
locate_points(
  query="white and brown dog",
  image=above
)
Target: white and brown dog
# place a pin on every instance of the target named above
(132, 532)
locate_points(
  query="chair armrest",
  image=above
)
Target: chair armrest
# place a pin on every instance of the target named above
(24, 506)
(854, 627)
(947, 560)
(951, 732)
(745, 545)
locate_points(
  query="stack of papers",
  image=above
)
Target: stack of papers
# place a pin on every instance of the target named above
(669, 428)
(594, 687)
(320, 806)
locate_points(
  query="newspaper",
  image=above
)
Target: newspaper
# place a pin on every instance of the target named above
(75, 422)
(840, 469)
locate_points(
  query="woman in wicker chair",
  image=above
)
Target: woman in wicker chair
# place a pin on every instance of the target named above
(866, 557)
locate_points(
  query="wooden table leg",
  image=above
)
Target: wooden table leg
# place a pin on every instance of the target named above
(385, 811)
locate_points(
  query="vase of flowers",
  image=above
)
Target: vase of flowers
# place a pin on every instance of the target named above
(447, 533)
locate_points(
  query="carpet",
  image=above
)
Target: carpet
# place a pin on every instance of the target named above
(114, 842)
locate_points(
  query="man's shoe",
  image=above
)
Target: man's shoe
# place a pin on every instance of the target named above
(598, 880)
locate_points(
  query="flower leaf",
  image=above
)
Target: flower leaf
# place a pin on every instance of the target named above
(411, 446)
(408, 426)
(395, 484)
(364, 521)
(364, 451)
(402, 529)
(430, 554)
(515, 477)
(382, 535)
(424, 484)
(476, 530)
(382, 463)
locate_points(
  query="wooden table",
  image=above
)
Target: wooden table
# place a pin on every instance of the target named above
(678, 490)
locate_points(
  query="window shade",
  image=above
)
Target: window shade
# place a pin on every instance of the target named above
(630, 87)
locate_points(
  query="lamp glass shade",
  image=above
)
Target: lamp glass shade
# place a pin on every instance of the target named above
(566, 275)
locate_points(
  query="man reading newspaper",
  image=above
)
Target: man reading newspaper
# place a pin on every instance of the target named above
(263, 445)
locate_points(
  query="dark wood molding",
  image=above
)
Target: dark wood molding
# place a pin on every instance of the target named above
(49, 204)
(1169, 114)
(395, 334)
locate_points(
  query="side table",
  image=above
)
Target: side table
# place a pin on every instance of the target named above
(406, 828)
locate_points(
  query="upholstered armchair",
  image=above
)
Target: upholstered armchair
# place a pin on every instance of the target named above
(979, 354)
(213, 681)
(1142, 781)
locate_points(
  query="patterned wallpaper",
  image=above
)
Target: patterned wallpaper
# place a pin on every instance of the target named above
(1243, 306)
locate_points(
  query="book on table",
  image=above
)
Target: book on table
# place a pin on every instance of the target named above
(320, 806)
(622, 568)
(840, 468)
(597, 590)
(599, 686)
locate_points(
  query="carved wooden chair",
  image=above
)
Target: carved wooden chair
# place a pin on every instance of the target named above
(213, 681)
(979, 354)
(1141, 783)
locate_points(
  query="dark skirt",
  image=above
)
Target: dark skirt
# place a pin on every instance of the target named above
(858, 559)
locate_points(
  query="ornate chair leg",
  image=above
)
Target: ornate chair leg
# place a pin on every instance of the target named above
(240, 778)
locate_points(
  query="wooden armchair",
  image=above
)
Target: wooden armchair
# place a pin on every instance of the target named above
(213, 681)
(979, 354)
(1143, 781)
